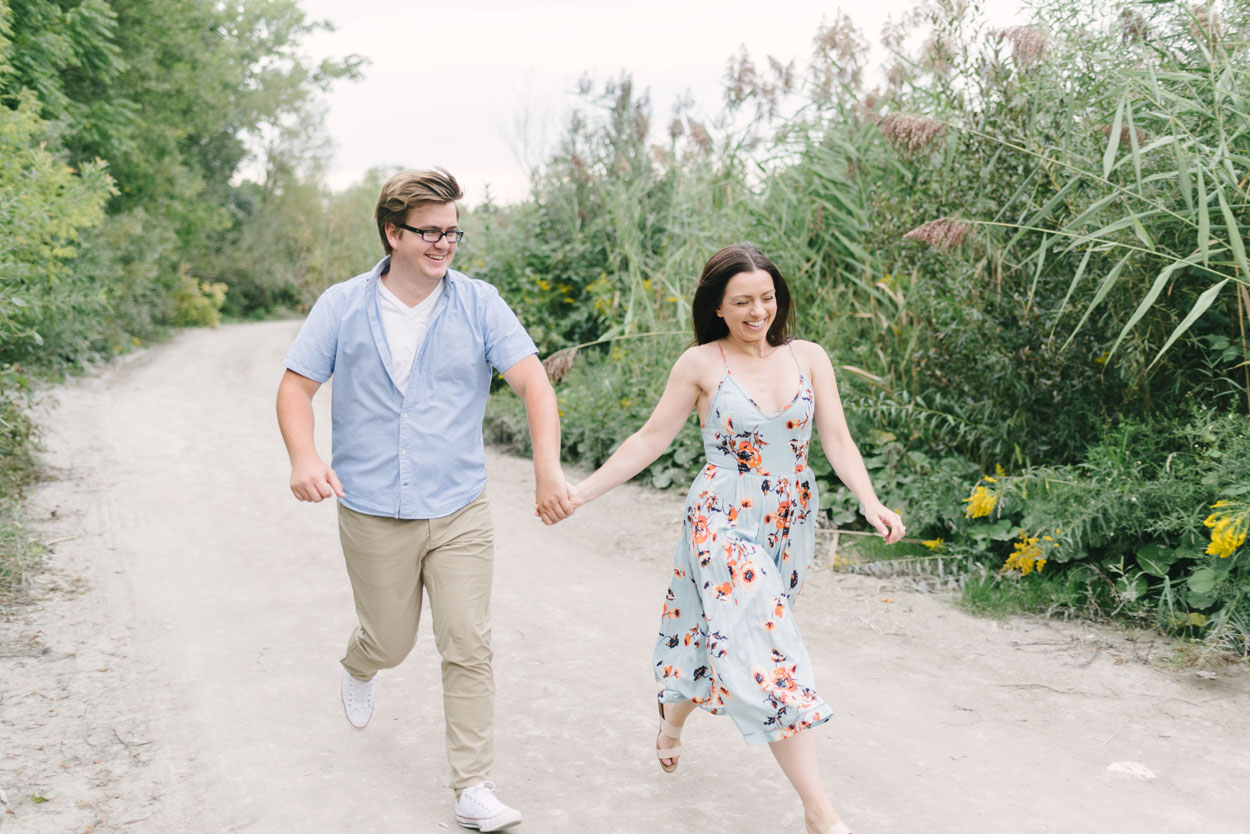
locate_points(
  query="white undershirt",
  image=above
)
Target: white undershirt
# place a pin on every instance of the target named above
(405, 328)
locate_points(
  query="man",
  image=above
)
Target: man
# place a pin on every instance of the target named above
(411, 345)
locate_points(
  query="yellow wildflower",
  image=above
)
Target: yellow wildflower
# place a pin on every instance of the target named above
(1229, 526)
(998, 470)
(543, 285)
(933, 544)
(980, 503)
(1026, 556)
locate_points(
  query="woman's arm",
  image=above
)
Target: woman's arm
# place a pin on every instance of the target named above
(645, 445)
(841, 450)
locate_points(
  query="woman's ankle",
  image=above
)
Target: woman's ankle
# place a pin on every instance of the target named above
(820, 817)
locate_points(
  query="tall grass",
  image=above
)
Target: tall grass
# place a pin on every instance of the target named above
(1022, 242)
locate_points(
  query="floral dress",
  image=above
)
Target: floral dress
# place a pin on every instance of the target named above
(728, 640)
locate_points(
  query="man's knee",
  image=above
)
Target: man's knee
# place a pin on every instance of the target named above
(466, 645)
(386, 651)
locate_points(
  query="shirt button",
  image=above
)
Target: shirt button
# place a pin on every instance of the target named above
(405, 415)
(403, 452)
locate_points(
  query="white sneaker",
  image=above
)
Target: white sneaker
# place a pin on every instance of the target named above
(357, 700)
(478, 807)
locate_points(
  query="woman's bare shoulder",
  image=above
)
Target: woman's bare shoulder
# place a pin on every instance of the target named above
(698, 362)
(812, 354)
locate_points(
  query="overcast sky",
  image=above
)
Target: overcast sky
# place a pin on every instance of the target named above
(447, 84)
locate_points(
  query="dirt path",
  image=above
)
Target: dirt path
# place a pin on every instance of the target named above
(177, 671)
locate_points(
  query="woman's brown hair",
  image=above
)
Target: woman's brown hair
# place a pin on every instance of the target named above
(725, 264)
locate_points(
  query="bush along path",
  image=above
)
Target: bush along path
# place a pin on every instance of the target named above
(177, 661)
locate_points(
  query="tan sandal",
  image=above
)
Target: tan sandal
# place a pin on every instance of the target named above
(668, 730)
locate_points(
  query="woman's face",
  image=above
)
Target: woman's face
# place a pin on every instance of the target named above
(749, 305)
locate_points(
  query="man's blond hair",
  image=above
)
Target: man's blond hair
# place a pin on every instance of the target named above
(409, 189)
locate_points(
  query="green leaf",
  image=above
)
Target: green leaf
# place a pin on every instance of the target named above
(1142, 234)
(1200, 306)
(1204, 220)
(1103, 289)
(1155, 559)
(1146, 303)
(1234, 234)
(1076, 279)
(1037, 273)
(1134, 589)
(1133, 147)
(1113, 140)
(1002, 530)
(1202, 581)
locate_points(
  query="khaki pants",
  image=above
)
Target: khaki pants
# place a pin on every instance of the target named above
(390, 561)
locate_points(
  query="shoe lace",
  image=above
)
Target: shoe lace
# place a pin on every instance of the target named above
(483, 795)
(360, 692)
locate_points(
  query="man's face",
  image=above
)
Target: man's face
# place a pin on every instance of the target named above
(430, 260)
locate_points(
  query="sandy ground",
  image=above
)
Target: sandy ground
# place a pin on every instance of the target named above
(177, 670)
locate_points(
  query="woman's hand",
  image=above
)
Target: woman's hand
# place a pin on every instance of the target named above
(885, 520)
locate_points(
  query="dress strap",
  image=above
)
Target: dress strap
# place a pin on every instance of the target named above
(723, 357)
(794, 353)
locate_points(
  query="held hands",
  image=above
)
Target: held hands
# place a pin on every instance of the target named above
(312, 480)
(885, 520)
(553, 500)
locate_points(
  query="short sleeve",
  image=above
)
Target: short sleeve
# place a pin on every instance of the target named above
(507, 343)
(314, 349)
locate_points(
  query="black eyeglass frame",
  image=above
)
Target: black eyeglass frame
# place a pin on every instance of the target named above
(454, 236)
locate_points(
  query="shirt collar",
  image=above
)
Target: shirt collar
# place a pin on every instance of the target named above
(450, 277)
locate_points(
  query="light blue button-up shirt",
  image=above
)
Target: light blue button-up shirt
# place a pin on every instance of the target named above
(417, 452)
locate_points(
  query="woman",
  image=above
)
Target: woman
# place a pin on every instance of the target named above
(728, 642)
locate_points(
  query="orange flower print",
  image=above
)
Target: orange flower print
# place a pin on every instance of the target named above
(783, 515)
(783, 679)
(745, 503)
(724, 590)
(748, 574)
(779, 607)
(748, 457)
(700, 529)
(805, 494)
(800, 456)
(732, 514)
(770, 625)
(671, 672)
(671, 613)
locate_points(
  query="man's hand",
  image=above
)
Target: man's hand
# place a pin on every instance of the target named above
(552, 501)
(312, 480)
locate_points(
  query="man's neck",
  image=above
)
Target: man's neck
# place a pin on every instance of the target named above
(407, 285)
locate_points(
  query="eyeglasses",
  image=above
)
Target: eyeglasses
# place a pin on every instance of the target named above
(434, 235)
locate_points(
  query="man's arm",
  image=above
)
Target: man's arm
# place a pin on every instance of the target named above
(529, 380)
(311, 478)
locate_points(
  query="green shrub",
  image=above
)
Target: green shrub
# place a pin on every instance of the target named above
(198, 303)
